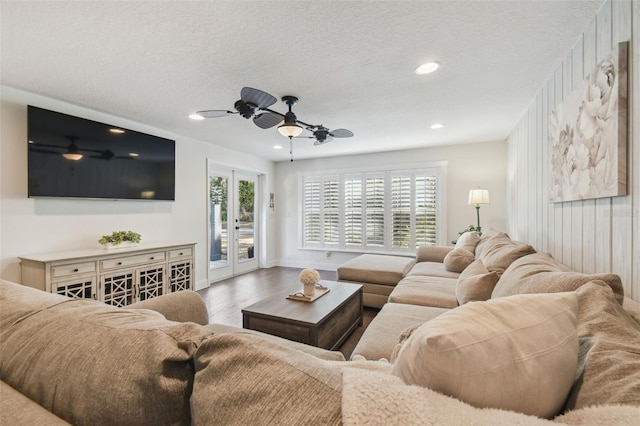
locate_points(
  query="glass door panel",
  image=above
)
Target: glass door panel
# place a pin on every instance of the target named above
(245, 225)
(218, 221)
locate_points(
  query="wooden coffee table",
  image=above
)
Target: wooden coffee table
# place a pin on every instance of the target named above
(325, 322)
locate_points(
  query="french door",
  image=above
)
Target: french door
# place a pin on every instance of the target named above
(232, 222)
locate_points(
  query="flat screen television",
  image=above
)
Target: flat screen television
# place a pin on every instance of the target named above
(73, 157)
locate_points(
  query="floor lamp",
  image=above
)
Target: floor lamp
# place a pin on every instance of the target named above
(478, 197)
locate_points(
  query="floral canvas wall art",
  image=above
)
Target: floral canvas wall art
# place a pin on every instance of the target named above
(588, 134)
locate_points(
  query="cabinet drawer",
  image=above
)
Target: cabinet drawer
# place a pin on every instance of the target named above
(121, 262)
(180, 253)
(71, 269)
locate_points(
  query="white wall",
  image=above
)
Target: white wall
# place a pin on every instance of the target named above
(592, 236)
(469, 166)
(29, 226)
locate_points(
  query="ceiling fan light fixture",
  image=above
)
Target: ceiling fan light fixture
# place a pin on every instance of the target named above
(73, 156)
(427, 68)
(290, 130)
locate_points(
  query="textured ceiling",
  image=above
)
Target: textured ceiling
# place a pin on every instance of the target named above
(351, 64)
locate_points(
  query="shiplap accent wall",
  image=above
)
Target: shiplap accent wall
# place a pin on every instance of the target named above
(592, 236)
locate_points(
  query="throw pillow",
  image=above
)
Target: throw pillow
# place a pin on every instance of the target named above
(241, 380)
(516, 353)
(458, 259)
(468, 241)
(475, 283)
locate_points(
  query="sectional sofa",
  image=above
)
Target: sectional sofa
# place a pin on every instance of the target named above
(66, 361)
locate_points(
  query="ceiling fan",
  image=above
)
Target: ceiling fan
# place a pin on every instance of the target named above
(254, 104)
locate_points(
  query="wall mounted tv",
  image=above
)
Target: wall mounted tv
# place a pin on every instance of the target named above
(72, 157)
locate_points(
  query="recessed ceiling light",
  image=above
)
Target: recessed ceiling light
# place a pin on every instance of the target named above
(117, 131)
(277, 147)
(427, 68)
(437, 126)
(30, 141)
(134, 154)
(196, 116)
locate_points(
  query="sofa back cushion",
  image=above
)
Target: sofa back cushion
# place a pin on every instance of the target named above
(90, 363)
(499, 251)
(541, 273)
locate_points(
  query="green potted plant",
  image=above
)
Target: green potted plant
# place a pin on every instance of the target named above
(120, 239)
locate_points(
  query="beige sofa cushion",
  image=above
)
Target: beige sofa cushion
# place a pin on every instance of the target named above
(384, 332)
(90, 363)
(541, 273)
(426, 291)
(518, 353)
(475, 283)
(243, 380)
(609, 362)
(376, 269)
(458, 259)
(432, 269)
(499, 251)
(468, 241)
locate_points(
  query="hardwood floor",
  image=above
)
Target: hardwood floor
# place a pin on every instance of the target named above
(225, 299)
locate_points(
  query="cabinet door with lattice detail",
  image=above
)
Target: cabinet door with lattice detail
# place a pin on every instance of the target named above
(118, 289)
(180, 276)
(151, 282)
(79, 288)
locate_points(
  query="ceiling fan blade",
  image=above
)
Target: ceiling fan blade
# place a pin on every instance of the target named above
(44, 151)
(322, 142)
(215, 113)
(267, 120)
(341, 133)
(257, 97)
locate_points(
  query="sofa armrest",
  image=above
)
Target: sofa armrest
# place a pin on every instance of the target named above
(432, 253)
(181, 306)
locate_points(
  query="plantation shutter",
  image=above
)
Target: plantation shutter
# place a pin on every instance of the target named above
(331, 211)
(311, 212)
(400, 211)
(353, 211)
(426, 211)
(374, 211)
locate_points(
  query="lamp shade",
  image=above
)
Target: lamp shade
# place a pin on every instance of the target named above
(478, 196)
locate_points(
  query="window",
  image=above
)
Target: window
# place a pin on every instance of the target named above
(382, 211)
